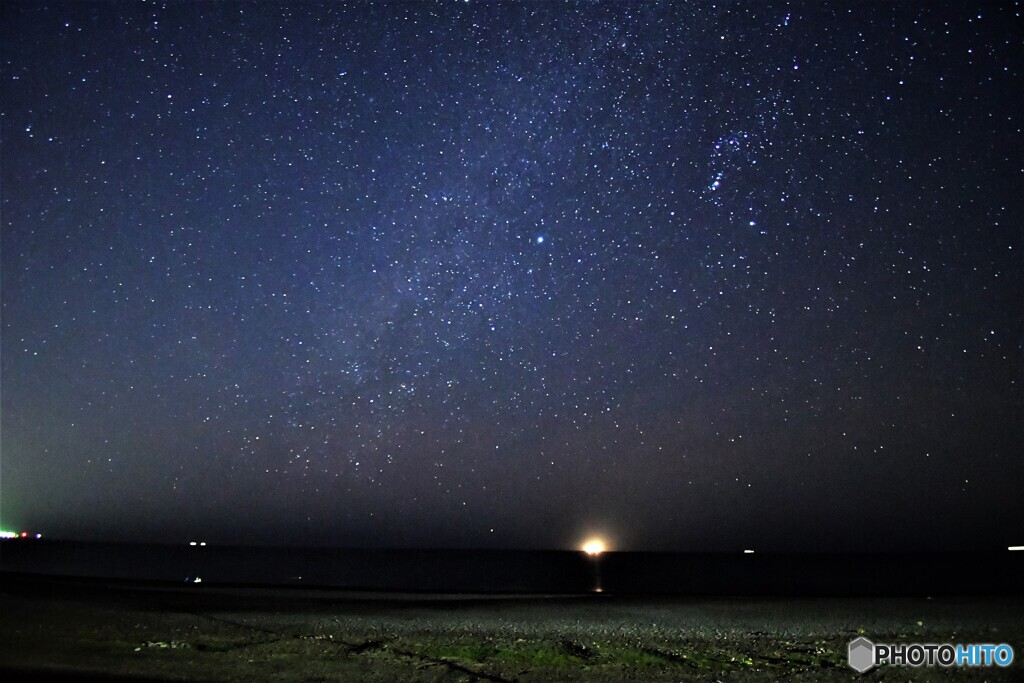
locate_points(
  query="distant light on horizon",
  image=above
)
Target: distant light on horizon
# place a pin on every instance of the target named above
(192, 543)
(1015, 547)
(594, 546)
(8, 534)
(748, 552)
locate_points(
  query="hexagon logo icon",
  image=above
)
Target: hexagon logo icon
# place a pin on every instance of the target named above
(862, 654)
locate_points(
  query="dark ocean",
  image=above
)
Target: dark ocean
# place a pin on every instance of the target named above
(527, 571)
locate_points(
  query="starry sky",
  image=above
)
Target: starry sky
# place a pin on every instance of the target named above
(690, 276)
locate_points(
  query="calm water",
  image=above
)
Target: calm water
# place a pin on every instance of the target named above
(525, 571)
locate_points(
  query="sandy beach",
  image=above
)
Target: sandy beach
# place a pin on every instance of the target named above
(96, 630)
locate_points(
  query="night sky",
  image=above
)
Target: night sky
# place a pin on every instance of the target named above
(464, 274)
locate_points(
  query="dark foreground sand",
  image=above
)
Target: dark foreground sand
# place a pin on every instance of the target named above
(88, 630)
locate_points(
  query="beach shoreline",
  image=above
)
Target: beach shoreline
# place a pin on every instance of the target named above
(124, 630)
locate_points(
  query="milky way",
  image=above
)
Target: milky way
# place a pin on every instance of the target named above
(690, 276)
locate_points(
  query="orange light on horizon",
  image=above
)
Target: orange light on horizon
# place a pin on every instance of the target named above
(593, 547)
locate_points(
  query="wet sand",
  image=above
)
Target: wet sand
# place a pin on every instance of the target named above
(110, 631)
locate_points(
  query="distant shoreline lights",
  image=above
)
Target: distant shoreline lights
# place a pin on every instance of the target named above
(15, 534)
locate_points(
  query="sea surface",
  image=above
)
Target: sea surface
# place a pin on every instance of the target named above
(525, 571)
